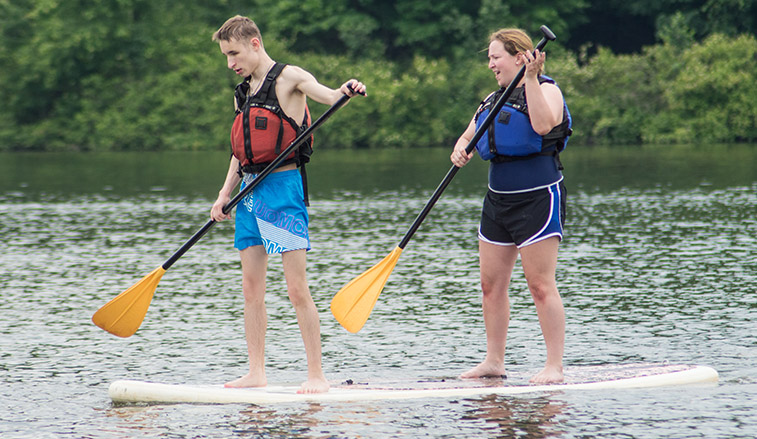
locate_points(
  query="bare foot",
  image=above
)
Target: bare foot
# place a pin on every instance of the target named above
(248, 380)
(548, 375)
(315, 385)
(486, 370)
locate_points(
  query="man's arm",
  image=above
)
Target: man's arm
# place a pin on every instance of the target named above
(224, 195)
(306, 83)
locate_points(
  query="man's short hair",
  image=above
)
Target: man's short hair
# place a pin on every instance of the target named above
(238, 28)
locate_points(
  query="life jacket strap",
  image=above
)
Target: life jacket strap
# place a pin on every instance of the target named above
(554, 152)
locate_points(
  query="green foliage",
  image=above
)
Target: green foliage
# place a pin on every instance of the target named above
(143, 75)
(607, 97)
(105, 74)
(666, 94)
(628, 25)
(711, 97)
(427, 103)
(403, 29)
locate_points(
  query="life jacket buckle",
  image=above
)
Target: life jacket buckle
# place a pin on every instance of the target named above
(261, 123)
(504, 117)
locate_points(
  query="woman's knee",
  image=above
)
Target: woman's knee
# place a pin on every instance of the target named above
(542, 289)
(493, 288)
(488, 287)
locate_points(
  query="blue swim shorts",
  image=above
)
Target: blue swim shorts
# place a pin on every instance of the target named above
(273, 214)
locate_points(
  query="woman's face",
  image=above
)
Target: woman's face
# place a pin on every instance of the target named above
(504, 65)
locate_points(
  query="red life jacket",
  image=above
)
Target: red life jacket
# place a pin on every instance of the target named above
(262, 130)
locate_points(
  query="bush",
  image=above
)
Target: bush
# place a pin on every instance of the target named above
(667, 94)
(711, 98)
(698, 94)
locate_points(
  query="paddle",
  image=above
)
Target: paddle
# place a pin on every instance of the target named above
(353, 304)
(123, 315)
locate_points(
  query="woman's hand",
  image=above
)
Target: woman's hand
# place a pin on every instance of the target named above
(459, 157)
(534, 62)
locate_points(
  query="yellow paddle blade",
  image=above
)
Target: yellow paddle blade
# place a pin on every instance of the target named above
(353, 304)
(123, 315)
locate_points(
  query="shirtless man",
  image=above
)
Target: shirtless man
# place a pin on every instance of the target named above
(279, 195)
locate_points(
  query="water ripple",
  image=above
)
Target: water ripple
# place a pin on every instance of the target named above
(646, 275)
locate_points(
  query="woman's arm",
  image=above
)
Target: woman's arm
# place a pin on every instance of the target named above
(545, 101)
(459, 157)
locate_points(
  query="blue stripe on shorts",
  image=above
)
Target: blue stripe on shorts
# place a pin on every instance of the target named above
(553, 227)
(523, 218)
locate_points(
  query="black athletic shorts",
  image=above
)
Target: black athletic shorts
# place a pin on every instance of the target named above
(523, 218)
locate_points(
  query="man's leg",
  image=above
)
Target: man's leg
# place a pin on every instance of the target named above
(539, 265)
(307, 317)
(497, 262)
(254, 266)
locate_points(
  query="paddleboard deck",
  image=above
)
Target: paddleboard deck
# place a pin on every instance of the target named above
(579, 377)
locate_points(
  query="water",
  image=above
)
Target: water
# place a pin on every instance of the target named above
(659, 264)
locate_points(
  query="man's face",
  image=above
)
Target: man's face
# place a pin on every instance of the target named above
(241, 56)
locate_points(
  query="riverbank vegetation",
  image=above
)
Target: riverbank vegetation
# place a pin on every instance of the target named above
(143, 75)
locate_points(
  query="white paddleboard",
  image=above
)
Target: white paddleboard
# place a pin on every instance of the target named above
(580, 377)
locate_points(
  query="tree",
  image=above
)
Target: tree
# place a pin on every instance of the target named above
(402, 29)
(625, 26)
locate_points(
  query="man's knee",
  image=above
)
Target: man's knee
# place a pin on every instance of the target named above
(300, 296)
(253, 288)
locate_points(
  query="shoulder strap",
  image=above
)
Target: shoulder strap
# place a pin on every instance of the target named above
(486, 103)
(240, 94)
(518, 98)
(264, 95)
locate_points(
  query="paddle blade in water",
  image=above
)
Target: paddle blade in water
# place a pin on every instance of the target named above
(123, 315)
(353, 304)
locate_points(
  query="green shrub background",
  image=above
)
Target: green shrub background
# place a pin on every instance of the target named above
(105, 75)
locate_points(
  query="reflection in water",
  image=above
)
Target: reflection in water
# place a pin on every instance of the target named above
(135, 420)
(508, 417)
(266, 422)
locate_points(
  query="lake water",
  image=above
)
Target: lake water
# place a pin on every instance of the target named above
(659, 264)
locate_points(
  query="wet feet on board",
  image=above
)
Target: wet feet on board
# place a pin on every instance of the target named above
(247, 381)
(548, 376)
(319, 385)
(485, 371)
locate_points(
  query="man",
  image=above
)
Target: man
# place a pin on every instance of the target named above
(273, 218)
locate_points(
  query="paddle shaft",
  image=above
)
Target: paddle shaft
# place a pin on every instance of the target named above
(548, 36)
(263, 174)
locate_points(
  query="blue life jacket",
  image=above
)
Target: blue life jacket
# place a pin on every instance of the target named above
(511, 137)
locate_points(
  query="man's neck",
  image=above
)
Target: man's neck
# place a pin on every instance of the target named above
(262, 69)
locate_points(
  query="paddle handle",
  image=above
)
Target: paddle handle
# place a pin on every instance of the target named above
(263, 174)
(548, 36)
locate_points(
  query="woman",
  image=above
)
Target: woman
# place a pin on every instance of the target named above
(524, 208)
